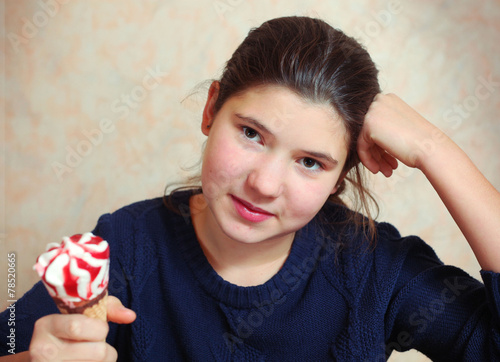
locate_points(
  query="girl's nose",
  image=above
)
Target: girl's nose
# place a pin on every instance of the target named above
(268, 177)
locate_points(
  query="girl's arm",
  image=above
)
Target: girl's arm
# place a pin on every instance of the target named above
(394, 132)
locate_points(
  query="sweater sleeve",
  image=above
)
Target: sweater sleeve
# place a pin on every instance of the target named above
(442, 311)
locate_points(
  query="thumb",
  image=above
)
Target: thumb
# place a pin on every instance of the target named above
(117, 313)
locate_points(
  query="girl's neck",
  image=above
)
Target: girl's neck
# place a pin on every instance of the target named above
(243, 264)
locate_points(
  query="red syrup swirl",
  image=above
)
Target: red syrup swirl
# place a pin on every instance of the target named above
(71, 281)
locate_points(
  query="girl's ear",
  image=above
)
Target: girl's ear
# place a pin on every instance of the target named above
(339, 182)
(209, 111)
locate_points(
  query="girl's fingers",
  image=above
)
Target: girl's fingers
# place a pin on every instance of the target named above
(71, 337)
(366, 154)
(72, 351)
(391, 161)
(388, 164)
(370, 162)
(376, 159)
(385, 169)
(117, 313)
(73, 327)
(90, 351)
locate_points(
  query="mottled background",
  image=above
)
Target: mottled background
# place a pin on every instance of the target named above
(103, 104)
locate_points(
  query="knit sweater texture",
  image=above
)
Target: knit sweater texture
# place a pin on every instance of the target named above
(335, 298)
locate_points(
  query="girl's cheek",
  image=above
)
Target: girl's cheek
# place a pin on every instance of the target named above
(233, 159)
(221, 168)
(310, 197)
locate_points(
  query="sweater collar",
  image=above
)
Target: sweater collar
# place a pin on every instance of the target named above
(302, 261)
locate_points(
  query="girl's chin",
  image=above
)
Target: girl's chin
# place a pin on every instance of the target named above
(245, 234)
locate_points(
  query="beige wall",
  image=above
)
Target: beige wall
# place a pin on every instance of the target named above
(94, 117)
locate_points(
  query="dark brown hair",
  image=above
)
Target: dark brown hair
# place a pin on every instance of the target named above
(320, 64)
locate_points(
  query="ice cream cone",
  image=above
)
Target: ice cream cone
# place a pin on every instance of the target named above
(76, 274)
(94, 308)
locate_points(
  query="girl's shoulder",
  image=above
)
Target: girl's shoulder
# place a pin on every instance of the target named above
(138, 231)
(151, 213)
(357, 262)
(350, 230)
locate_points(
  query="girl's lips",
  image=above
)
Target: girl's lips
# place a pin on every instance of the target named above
(250, 212)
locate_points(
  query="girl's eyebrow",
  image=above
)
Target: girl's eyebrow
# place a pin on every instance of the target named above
(255, 123)
(317, 155)
(322, 156)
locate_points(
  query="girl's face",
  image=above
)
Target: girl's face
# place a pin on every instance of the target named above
(270, 163)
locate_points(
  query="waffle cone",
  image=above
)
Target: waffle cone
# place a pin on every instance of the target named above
(94, 308)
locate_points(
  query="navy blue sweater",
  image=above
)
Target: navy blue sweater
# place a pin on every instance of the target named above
(334, 298)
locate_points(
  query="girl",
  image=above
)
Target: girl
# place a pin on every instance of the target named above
(265, 261)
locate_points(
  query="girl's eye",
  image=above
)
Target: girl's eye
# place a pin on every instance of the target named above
(310, 164)
(251, 134)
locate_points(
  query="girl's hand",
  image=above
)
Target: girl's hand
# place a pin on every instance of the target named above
(394, 131)
(69, 337)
